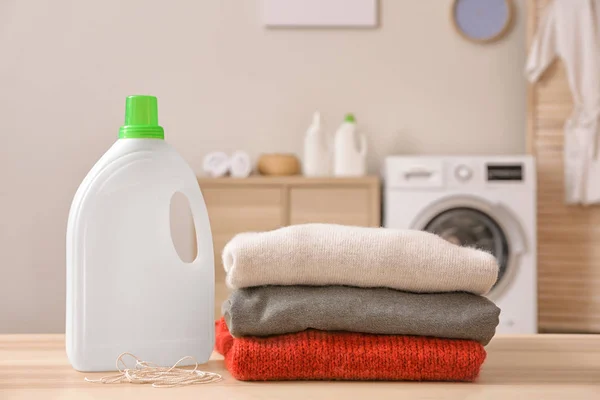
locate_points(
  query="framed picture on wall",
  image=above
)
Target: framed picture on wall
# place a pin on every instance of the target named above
(320, 13)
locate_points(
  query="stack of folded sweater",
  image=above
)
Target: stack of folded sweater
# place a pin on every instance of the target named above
(331, 302)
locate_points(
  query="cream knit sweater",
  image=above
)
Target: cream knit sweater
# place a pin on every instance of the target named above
(322, 254)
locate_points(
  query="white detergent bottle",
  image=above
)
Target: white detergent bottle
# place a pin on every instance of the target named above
(316, 149)
(127, 288)
(349, 160)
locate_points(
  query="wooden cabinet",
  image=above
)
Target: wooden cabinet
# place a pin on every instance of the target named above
(340, 205)
(266, 203)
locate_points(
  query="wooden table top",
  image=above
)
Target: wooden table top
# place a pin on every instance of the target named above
(517, 367)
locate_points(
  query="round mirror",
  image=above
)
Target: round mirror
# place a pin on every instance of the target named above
(482, 21)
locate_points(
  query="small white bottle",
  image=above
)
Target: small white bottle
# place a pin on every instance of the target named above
(317, 159)
(348, 159)
(127, 288)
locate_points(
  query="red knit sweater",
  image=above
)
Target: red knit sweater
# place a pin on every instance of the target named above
(320, 355)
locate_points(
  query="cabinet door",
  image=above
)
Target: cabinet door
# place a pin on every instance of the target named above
(336, 205)
(234, 210)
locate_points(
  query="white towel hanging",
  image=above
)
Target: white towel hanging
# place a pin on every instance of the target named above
(569, 30)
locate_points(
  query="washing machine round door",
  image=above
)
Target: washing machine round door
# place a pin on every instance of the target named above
(477, 223)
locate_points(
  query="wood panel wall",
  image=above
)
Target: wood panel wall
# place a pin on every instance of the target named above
(568, 236)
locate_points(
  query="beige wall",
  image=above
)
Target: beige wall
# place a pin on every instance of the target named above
(223, 82)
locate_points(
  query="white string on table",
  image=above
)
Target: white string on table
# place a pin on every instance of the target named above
(145, 372)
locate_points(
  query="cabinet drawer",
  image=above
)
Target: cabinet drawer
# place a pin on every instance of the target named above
(346, 206)
(233, 210)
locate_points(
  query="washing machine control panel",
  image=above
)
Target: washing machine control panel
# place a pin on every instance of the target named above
(505, 172)
(458, 173)
(463, 172)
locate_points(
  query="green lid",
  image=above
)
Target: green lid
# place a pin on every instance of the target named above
(350, 118)
(141, 119)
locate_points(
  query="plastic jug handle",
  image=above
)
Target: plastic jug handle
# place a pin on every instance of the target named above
(205, 252)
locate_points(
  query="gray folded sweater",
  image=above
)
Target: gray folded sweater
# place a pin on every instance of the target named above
(274, 310)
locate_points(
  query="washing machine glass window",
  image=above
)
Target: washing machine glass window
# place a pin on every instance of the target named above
(472, 228)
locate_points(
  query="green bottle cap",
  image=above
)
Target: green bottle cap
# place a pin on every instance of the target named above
(141, 119)
(350, 118)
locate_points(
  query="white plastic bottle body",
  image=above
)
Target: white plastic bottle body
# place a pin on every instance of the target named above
(348, 159)
(317, 158)
(127, 288)
(316, 155)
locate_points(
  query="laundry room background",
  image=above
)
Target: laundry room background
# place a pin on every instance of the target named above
(225, 82)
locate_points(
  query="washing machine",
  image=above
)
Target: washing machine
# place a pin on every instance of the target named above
(484, 202)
